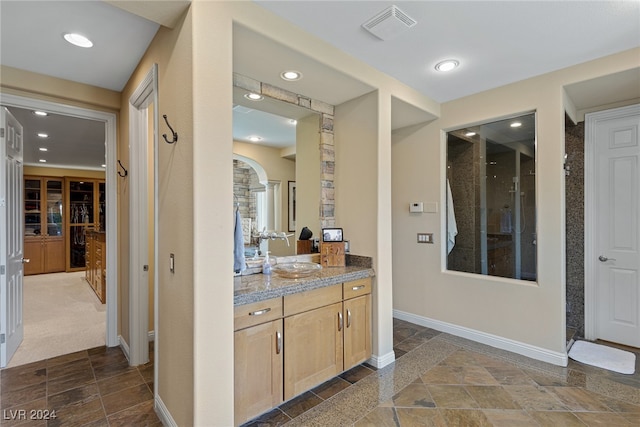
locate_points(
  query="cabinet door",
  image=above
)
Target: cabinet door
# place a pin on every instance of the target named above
(357, 331)
(34, 252)
(313, 348)
(54, 254)
(258, 369)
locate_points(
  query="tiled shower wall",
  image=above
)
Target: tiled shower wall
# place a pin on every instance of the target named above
(465, 191)
(574, 193)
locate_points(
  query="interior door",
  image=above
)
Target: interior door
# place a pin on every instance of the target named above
(11, 246)
(617, 151)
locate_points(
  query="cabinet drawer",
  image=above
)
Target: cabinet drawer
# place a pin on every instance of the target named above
(309, 300)
(356, 288)
(257, 313)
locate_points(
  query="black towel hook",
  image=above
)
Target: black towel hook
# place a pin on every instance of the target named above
(125, 171)
(175, 134)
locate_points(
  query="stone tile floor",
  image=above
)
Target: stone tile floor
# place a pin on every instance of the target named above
(442, 380)
(437, 380)
(94, 387)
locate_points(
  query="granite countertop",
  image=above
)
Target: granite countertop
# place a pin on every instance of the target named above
(260, 287)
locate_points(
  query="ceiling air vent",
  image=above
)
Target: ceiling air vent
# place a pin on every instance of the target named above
(389, 23)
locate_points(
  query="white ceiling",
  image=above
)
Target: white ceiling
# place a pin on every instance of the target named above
(497, 42)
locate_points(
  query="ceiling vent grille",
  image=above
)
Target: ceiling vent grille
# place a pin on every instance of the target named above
(389, 23)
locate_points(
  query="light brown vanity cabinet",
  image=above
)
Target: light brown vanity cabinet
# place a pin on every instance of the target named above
(258, 349)
(286, 346)
(313, 338)
(357, 322)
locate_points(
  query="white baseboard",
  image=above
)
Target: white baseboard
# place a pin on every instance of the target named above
(124, 346)
(382, 361)
(163, 413)
(538, 353)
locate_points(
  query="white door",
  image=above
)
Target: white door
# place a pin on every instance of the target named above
(11, 240)
(617, 228)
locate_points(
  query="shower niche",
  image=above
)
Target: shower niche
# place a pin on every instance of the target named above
(491, 220)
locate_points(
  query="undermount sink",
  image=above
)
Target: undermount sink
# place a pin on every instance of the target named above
(296, 270)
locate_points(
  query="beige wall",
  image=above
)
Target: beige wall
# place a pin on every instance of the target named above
(174, 351)
(307, 175)
(528, 313)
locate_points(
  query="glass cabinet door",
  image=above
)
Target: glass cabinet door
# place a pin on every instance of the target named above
(54, 208)
(81, 217)
(32, 207)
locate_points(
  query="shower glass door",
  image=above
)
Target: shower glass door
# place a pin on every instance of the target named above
(491, 174)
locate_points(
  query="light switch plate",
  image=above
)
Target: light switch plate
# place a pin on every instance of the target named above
(425, 237)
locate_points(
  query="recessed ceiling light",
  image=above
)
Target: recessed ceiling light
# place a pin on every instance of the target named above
(78, 40)
(515, 124)
(254, 138)
(293, 122)
(43, 149)
(41, 113)
(470, 134)
(43, 161)
(253, 96)
(447, 65)
(291, 75)
(43, 135)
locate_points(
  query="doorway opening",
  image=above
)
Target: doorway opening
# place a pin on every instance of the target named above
(109, 198)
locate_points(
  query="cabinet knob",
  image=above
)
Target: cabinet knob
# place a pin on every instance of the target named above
(357, 288)
(340, 321)
(278, 342)
(348, 318)
(25, 260)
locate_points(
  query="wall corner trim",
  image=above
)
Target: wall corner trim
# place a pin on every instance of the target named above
(163, 413)
(382, 361)
(538, 353)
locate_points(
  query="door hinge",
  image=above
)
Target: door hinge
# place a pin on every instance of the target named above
(3, 269)
(1, 132)
(1, 338)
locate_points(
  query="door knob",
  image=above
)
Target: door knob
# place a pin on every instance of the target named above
(25, 260)
(605, 259)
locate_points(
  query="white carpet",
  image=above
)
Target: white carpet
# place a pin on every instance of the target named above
(604, 357)
(62, 315)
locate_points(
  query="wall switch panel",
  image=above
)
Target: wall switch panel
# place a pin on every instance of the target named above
(425, 237)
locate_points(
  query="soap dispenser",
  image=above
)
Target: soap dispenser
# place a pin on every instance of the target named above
(266, 265)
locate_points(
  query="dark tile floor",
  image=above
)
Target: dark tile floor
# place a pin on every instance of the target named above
(94, 387)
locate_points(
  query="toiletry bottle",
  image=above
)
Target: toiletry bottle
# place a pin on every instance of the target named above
(266, 265)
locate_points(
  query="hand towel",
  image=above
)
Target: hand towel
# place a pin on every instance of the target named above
(452, 227)
(238, 245)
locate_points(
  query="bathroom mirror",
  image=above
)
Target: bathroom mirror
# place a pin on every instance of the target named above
(491, 198)
(276, 172)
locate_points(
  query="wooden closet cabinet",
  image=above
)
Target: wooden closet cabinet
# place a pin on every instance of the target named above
(85, 199)
(43, 225)
(96, 262)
